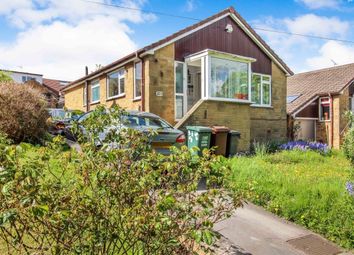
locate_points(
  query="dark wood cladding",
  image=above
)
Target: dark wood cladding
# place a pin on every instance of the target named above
(215, 37)
(310, 111)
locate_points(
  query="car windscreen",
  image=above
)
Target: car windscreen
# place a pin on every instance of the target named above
(144, 121)
(57, 113)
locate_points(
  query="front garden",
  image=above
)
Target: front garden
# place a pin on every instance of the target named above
(302, 185)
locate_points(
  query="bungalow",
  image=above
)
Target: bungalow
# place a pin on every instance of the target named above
(215, 72)
(316, 104)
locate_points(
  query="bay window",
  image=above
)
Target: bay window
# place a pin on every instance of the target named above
(95, 91)
(261, 89)
(229, 79)
(137, 79)
(116, 84)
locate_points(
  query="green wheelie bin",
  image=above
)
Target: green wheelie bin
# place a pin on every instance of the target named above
(198, 136)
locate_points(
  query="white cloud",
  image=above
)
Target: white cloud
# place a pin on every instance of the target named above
(317, 4)
(58, 41)
(329, 52)
(304, 53)
(311, 24)
(190, 5)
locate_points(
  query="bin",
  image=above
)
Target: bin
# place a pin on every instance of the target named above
(219, 139)
(198, 137)
(233, 138)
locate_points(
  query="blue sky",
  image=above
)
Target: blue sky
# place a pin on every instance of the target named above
(59, 37)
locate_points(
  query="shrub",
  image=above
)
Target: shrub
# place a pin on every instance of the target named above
(304, 145)
(23, 112)
(348, 142)
(121, 199)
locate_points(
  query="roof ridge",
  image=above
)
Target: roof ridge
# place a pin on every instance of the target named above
(324, 69)
(229, 11)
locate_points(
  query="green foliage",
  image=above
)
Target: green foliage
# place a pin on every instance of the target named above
(5, 76)
(121, 198)
(23, 113)
(348, 142)
(304, 187)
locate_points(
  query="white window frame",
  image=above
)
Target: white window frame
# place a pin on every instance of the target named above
(94, 84)
(134, 86)
(119, 77)
(84, 95)
(320, 110)
(262, 104)
(184, 94)
(236, 59)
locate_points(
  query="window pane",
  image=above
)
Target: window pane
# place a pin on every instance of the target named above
(113, 84)
(179, 107)
(266, 93)
(266, 78)
(179, 78)
(325, 108)
(138, 79)
(121, 85)
(95, 94)
(256, 89)
(229, 79)
(84, 95)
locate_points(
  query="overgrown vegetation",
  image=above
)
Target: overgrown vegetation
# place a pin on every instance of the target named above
(305, 187)
(23, 112)
(5, 76)
(348, 143)
(120, 199)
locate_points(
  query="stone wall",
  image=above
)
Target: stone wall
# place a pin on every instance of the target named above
(233, 115)
(271, 123)
(74, 97)
(161, 79)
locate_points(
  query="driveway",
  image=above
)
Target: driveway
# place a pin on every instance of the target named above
(262, 233)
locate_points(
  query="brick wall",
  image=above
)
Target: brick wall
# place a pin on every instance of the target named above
(271, 123)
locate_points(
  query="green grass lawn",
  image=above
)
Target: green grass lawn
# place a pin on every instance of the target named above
(304, 187)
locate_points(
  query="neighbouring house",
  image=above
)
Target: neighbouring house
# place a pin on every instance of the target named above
(55, 87)
(216, 72)
(50, 88)
(317, 102)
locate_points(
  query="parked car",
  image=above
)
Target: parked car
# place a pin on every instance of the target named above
(60, 118)
(166, 137)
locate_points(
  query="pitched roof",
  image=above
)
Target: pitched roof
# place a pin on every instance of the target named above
(229, 11)
(310, 85)
(54, 85)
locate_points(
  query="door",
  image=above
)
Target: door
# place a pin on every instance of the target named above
(307, 130)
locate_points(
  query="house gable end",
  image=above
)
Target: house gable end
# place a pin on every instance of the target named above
(215, 37)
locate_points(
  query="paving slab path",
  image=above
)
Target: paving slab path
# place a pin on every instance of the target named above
(262, 233)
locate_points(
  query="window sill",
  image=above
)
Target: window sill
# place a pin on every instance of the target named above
(115, 97)
(324, 120)
(137, 99)
(95, 102)
(262, 106)
(231, 100)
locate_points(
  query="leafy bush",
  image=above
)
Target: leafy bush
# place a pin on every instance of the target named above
(5, 76)
(305, 187)
(304, 146)
(121, 199)
(23, 112)
(348, 142)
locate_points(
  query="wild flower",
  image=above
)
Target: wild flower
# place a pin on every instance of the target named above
(304, 146)
(350, 188)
